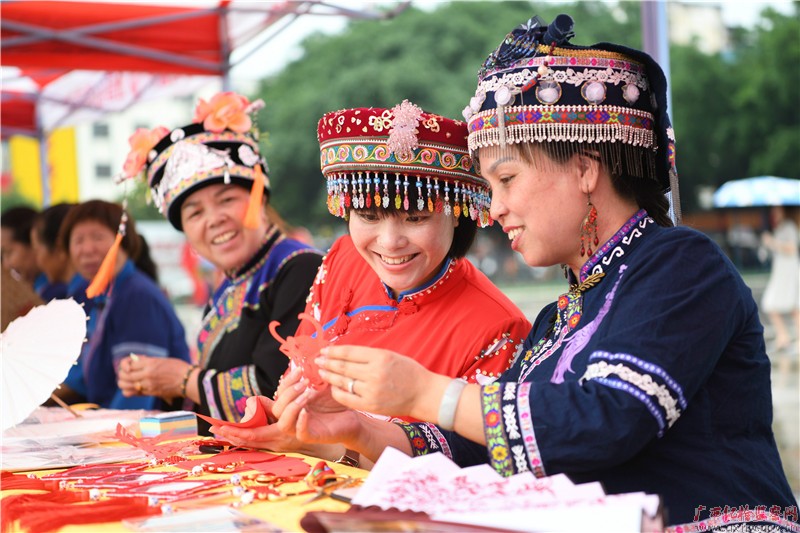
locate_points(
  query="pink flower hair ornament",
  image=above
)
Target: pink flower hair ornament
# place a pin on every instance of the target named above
(226, 110)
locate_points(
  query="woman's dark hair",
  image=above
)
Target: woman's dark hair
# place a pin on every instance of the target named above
(463, 234)
(644, 191)
(109, 215)
(48, 224)
(19, 220)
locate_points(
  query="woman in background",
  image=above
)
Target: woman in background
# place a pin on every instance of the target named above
(51, 258)
(782, 295)
(17, 254)
(130, 315)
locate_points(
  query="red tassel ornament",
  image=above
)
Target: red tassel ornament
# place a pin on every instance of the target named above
(14, 507)
(51, 516)
(10, 481)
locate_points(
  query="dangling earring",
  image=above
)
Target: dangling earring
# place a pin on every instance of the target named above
(589, 229)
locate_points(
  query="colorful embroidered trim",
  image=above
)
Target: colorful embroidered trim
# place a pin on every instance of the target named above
(564, 57)
(534, 458)
(561, 123)
(233, 387)
(496, 438)
(422, 442)
(342, 154)
(569, 310)
(613, 71)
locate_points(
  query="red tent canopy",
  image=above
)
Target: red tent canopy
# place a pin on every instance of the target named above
(19, 114)
(94, 36)
(144, 37)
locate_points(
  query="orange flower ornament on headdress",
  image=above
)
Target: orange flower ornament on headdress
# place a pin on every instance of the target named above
(141, 142)
(226, 110)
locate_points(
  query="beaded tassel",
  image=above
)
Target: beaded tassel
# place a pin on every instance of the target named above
(397, 199)
(589, 229)
(430, 200)
(385, 191)
(368, 197)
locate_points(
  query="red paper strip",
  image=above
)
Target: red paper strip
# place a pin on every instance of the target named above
(259, 419)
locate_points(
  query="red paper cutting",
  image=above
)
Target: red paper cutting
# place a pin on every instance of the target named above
(303, 349)
(285, 466)
(257, 420)
(153, 446)
(240, 459)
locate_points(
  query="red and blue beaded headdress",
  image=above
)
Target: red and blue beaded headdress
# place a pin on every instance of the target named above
(536, 87)
(401, 158)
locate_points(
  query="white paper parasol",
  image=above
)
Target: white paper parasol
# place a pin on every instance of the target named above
(37, 351)
(759, 191)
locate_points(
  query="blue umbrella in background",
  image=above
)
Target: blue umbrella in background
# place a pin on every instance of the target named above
(760, 191)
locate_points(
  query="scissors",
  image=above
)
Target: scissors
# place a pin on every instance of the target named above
(334, 484)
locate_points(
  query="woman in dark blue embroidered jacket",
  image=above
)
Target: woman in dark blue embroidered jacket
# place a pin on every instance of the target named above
(650, 373)
(210, 181)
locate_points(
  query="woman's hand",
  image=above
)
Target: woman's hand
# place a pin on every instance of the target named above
(269, 437)
(375, 380)
(281, 435)
(140, 375)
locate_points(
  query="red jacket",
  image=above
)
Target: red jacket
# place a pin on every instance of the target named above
(459, 324)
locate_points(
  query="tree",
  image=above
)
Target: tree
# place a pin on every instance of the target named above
(139, 205)
(768, 77)
(428, 57)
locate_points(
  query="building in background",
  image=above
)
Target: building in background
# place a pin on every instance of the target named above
(700, 24)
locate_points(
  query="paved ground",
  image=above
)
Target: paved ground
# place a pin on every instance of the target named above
(531, 297)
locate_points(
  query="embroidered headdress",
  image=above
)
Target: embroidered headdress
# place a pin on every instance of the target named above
(536, 87)
(220, 146)
(401, 158)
